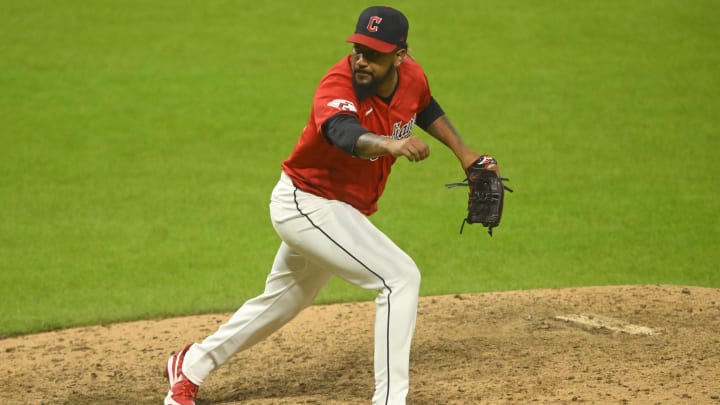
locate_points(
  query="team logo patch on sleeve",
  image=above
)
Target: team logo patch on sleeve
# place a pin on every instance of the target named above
(343, 105)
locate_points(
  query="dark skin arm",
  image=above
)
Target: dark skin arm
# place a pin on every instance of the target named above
(443, 130)
(414, 148)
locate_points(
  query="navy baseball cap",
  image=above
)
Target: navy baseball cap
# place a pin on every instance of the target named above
(381, 28)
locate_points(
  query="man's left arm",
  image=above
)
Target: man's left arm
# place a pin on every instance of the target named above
(434, 121)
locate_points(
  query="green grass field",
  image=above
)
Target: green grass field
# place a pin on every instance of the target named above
(139, 143)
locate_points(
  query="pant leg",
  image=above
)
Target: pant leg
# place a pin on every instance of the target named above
(341, 239)
(291, 286)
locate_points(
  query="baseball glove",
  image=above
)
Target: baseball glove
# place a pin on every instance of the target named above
(486, 193)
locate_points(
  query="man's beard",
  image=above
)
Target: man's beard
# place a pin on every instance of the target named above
(366, 90)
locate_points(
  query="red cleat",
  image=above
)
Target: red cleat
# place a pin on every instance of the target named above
(182, 391)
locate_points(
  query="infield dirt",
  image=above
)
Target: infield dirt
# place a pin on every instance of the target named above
(491, 348)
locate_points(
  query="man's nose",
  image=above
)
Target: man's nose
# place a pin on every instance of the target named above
(361, 61)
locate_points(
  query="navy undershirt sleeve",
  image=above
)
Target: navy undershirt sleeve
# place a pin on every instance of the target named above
(428, 115)
(343, 131)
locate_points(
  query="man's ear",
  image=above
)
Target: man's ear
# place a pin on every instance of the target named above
(400, 56)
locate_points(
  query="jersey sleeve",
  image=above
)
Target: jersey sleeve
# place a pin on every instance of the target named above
(421, 87)
(334, 95)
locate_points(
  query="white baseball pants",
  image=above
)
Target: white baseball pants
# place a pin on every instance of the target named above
(324, 238)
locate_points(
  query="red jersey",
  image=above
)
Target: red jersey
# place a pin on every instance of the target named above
(318, 167)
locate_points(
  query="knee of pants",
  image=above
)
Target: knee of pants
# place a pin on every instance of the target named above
(406, 276)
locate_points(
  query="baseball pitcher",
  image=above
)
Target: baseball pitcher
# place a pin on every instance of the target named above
(364, 113)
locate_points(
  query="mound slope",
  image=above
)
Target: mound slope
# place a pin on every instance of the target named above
(505, 347)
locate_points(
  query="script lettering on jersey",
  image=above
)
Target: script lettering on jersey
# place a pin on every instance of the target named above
(401, 131)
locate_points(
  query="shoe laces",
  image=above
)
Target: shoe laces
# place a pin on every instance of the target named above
(185, 388)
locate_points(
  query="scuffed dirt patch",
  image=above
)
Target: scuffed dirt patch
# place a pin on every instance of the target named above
(505, 347)
(595, 322)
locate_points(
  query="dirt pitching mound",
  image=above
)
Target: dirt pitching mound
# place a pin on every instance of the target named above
(628, 344)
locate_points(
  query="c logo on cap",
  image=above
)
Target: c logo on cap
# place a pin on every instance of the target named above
(374, 23)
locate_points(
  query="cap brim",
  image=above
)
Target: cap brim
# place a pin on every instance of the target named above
(372, 43)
